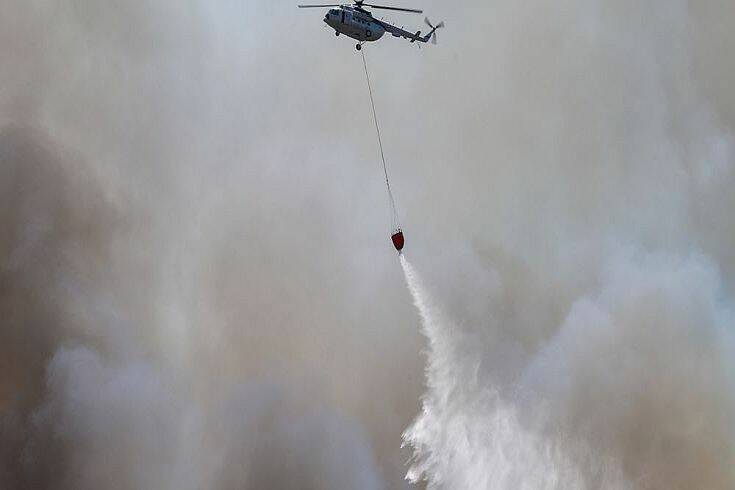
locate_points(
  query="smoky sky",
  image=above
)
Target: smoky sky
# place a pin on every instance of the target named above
(197, 287)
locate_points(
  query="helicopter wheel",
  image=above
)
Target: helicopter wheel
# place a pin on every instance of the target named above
(358, 47)
(336, 33)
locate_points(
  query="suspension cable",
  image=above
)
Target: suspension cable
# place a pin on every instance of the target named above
(394, 213)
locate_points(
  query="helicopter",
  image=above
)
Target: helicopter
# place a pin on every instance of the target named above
(358, 23)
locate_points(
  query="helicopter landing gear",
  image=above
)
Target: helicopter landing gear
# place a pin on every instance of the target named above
(336, 33)
(358, 46)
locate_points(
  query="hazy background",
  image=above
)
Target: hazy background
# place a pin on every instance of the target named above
(197, 288)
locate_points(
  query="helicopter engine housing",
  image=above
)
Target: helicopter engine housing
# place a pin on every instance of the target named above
(354, 23)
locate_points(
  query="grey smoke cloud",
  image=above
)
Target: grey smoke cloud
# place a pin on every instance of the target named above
(131, 426)
(197, 287)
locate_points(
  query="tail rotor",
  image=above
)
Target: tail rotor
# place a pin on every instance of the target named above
(433, 29)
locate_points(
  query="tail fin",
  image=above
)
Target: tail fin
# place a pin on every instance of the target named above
(417, 37)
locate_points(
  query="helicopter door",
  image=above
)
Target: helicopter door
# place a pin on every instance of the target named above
(343, 16)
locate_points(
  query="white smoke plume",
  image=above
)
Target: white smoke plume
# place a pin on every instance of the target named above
(599, 354)
(197, 288)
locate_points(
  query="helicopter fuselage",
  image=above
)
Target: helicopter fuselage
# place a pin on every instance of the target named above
(354, 23)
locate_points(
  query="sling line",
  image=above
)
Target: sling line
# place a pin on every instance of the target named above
(394, 213)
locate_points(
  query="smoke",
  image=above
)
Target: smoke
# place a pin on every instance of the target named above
(197, 289)
(586, 339)
(132, 426)
(85, 406)
(167, 316)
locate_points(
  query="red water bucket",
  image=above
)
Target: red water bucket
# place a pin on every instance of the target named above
(397, 239)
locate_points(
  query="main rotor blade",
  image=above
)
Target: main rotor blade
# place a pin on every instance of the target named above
(324, 5)
(392, 8)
